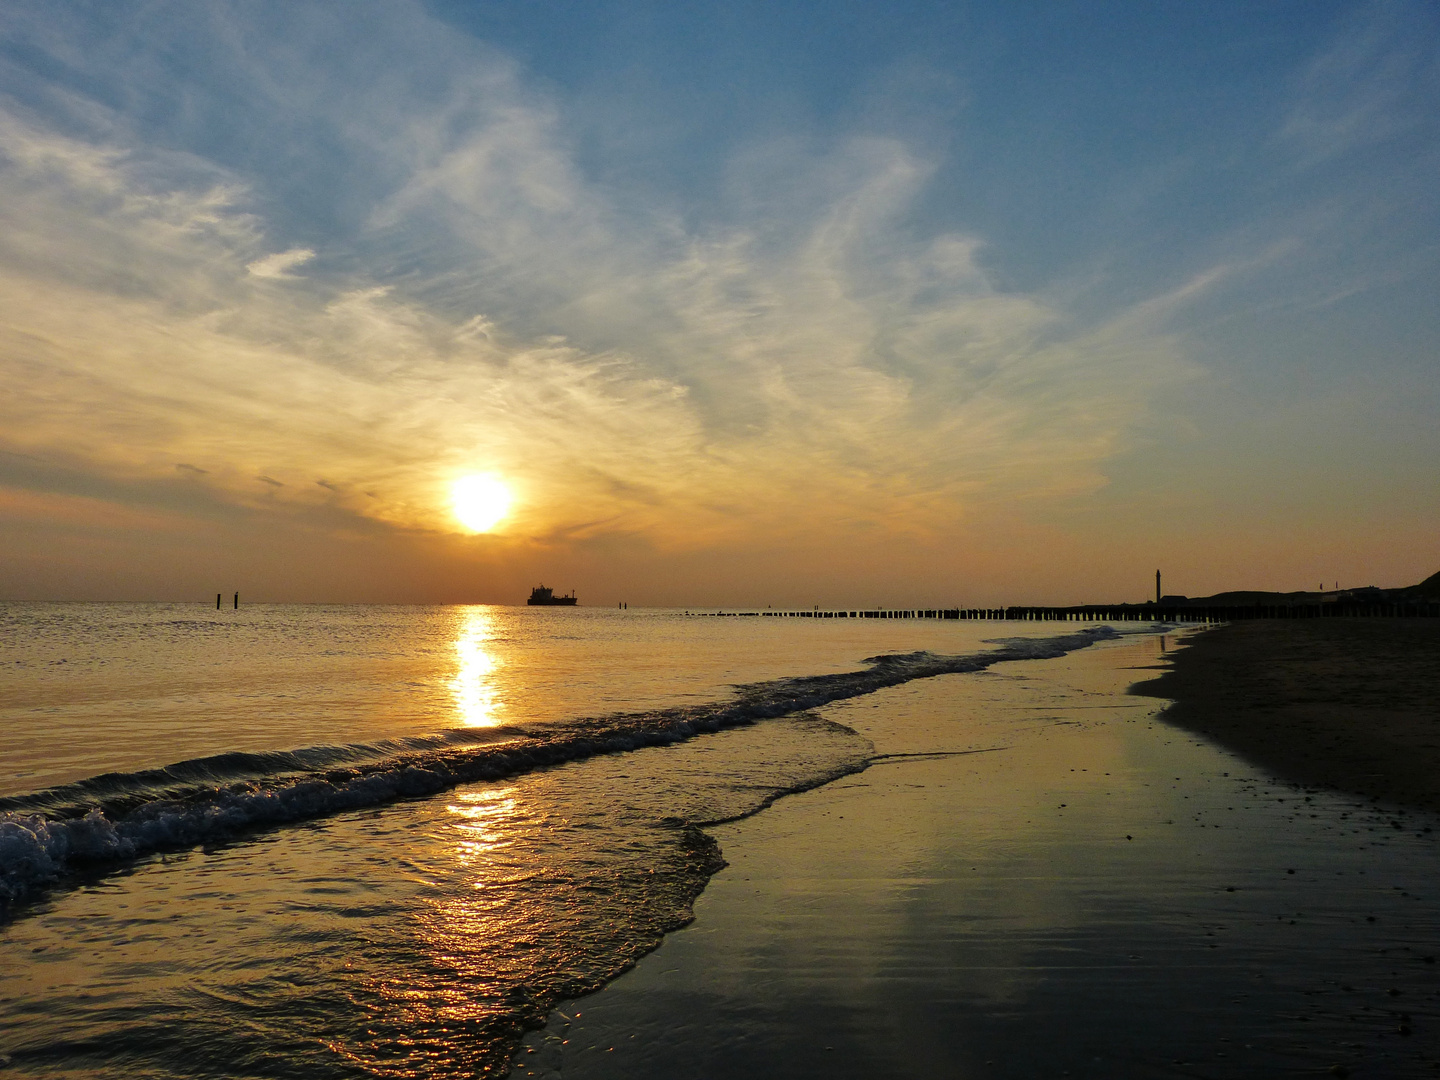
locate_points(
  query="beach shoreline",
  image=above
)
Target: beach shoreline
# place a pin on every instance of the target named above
(1102, 895)
(1347, 705)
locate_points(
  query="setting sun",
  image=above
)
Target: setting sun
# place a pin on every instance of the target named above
(480, 502)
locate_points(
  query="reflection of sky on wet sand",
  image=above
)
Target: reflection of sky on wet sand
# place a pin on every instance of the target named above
(1105, 896)
(476, 697)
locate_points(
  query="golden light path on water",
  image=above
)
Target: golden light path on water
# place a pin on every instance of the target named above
(480, 817)
(477, 698)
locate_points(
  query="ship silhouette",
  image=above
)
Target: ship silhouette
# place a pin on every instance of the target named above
(544, 596)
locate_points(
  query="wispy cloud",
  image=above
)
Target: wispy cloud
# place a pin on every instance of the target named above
(1377, 81)
(280, 264)
(815, 364)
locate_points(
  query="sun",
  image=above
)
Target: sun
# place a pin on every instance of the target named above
(480, 502)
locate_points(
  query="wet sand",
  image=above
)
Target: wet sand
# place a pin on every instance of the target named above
(1352, 705)
(1096, 894)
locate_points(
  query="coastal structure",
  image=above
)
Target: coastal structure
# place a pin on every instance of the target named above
(1414, 601)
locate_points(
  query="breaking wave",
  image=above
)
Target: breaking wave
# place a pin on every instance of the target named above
(117, 817)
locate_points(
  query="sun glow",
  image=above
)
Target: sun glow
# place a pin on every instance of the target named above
(480, 502)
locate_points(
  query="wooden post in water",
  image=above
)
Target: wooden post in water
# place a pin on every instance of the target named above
(237, 601)
(217, 601)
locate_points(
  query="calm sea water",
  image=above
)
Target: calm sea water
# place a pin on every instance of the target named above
(362, 841)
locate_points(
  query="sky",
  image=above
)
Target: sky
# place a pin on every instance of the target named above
(907, 304)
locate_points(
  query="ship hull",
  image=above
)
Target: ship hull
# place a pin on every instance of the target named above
(555, 601)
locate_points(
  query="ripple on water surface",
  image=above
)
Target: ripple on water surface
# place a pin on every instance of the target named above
(414, 940)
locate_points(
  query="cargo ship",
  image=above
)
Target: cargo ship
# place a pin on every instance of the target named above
(543, 596)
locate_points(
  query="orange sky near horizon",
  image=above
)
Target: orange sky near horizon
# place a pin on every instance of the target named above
(849, 358)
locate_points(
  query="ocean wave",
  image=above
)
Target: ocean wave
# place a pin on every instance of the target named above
(122, 791)
(117, 817)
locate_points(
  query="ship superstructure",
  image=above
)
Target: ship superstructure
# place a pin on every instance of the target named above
(544, 596)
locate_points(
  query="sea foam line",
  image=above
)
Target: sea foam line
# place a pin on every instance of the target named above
(121, 817)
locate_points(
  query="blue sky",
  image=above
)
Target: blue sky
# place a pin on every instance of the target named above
(845, 301)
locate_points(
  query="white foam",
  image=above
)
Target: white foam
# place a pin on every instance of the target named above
(38, 849)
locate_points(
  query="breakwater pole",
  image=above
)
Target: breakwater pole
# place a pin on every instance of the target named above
(1116, 612)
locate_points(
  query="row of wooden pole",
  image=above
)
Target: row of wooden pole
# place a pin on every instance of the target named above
(1121, 613)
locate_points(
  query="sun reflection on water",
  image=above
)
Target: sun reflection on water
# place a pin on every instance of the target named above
(476, 696)
(482, 817)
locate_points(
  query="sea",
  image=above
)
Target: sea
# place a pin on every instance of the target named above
(342, 841)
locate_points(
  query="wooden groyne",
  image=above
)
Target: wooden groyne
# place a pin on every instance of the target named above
(1116, 613)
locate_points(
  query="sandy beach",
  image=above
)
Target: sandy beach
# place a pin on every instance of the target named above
(1070, 886)
(1351, 705)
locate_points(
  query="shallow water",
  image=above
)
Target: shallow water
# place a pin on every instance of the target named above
(409, 909)
(410, 940)
(93, 688)
(1106, 896)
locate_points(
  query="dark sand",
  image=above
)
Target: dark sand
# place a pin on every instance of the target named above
(1352, 705)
